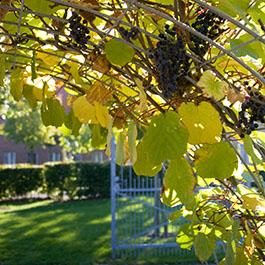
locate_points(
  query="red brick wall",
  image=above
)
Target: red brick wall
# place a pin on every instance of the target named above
(43, 153)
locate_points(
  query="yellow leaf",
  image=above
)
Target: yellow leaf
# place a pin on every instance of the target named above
(102, 115)
(142, 96)
(211, 86)
(132, 136)
(48, 59)
(203, 122)
(120, 149)
(109, 137)
(74, 70)
(38, 93)
(253, 202)
(98, 93)
(100, 63)
(84, 111)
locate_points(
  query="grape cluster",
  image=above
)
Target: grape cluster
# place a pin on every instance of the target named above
(78, 31)
(171, 62)
(129, 34)
(208, 24)
(252, 111)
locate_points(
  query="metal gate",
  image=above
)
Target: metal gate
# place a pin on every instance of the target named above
(140, 223)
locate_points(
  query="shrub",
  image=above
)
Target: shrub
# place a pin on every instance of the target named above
(20, 180)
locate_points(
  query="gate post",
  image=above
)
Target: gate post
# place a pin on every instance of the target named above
(113, 195)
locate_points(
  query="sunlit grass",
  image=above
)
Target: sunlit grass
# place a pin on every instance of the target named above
(70, 233)
(55, 233)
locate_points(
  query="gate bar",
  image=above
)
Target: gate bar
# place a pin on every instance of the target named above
(113, 194)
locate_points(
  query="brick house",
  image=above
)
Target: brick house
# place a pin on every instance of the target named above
(12, 153)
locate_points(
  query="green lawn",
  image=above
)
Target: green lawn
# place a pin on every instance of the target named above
(70, 233)
(74, 233)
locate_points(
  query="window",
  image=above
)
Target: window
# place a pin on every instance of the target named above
(98, 157)
(10, 158)
(78, 157)
(33, 158)
(55, 156)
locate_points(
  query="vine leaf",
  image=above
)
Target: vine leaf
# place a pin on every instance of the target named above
(144, 165)
(2, 69)
(118, 53)
(203, 122)
(204, 246)
(109, 136)
(255, 49)
(52, 113)
(166, 138)
(102, 114)
(16, 83)
(74, 70)
(3, 11)
(99, 93)
(120, 149)
(253, 202)
(84, 111)
(40, 6)
(72, 123)
(234, 7)
(179, 177)
(98, 139)
(29, 95)
(250, 150)
(100, 63)
(132, 136)
(185, 239)
(215, 161)
(212, 87)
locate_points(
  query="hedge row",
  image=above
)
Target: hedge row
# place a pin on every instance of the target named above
(75, 180)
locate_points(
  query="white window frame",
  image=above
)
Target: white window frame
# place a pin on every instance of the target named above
(10, 158)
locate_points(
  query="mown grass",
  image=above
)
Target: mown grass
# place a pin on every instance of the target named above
(70, 233)
(55, 233)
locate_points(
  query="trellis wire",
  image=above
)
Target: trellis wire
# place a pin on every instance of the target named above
(174, 21)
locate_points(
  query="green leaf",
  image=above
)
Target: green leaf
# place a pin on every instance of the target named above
(72, 123)
(98, 136)
(165, 138)
(185, 238)
(41, 6)
(29, 95)
(250, 150)
(204, 246)
(179, 177)
(16, 83)
(74, 70)
(132, 136)
(234, 7)
(241, 257)
(175, 215)
(216, 161)
(203, 122)
(253, 202)
(2, 68)
(255, 49)
(33, 67)
(118, 53)
(120, 149)
(84, 111)
(52, 113)
(143, 165)
(212, 86)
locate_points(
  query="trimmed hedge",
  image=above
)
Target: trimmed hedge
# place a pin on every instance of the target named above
(20, 180)
(74, 180)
